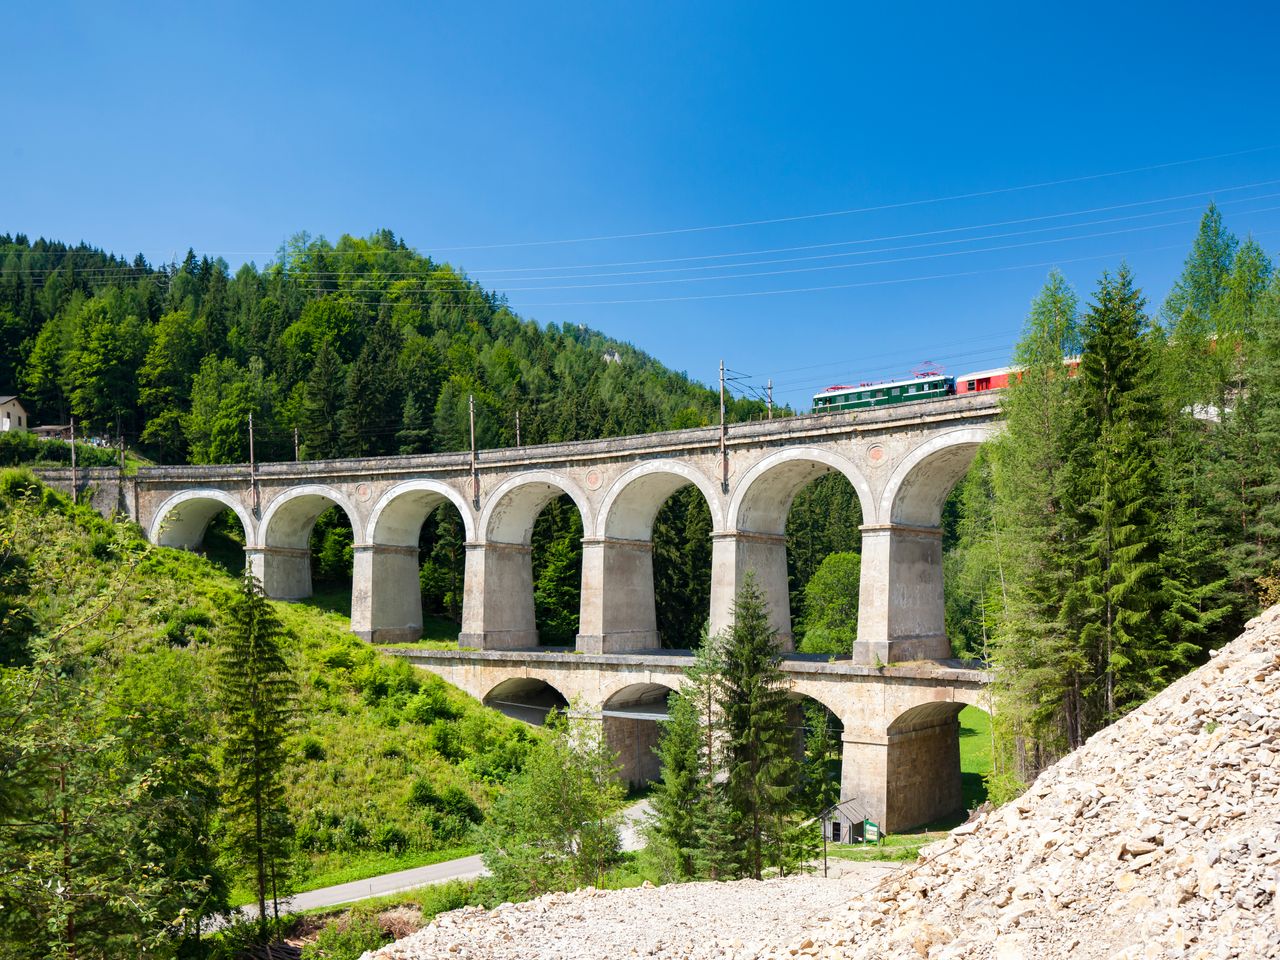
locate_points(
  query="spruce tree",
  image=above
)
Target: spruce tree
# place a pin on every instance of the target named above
(321, 404)
(257, 694)
(679, 800)
(1038, 661)
(759, 744)
(1115, 493)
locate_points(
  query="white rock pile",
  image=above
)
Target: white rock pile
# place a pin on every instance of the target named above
(1159, 838)
(674, 922)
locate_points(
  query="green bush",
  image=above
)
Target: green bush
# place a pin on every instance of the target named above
(423, 794)
(188, 625)
(456, 801)
(311, 748)
(391, 838)
(346, 938)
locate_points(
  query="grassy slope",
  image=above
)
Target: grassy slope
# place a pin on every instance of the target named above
(370, 726)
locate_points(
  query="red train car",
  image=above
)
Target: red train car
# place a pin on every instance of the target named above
(982, 380)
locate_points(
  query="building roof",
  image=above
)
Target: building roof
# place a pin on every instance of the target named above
(4, 399)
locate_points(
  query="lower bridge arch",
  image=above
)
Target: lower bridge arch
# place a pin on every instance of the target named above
(525, 698)
(632, 719)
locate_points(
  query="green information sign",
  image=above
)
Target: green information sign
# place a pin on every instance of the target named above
(870, 832)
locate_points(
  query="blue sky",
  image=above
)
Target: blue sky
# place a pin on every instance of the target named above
(479, 132)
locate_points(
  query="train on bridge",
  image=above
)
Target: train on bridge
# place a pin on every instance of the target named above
(928, 383)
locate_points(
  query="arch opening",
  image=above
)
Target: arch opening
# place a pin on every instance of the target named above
(938, 757)
(648, 566)
(525, 576)
(308, 546)
(527, 699)
(186, 520)
(412, 581)
(791, 512)
(632, 719)
(818, 745)
(556, 569)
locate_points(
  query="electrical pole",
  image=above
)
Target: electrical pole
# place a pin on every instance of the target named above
(296, 457)
(75, 486)
(517, 426)
(770, 398)
(253, 468)
(724, 438)
(475, 477)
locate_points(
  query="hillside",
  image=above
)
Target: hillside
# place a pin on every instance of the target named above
(365, 347)
(1156, 839)
(389, 767)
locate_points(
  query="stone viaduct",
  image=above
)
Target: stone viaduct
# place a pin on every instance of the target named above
(901, 460)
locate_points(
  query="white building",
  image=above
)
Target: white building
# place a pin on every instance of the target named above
(13, 416)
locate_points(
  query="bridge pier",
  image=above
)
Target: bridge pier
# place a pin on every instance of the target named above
(386, 599)
(284, 572)
(732, 555)
(617, 613)
(901, 615)
(497, 597)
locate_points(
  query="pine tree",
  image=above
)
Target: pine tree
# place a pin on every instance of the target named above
(321, 405)
(1115, 494)
(257, 693)
(759, 744)
(679, 799)
(1034, 649)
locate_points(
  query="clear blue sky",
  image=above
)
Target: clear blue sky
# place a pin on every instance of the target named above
(478, 131)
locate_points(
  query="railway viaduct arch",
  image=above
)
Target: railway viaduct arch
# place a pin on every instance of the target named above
(901, 460)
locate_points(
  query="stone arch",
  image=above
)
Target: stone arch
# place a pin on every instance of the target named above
(525, 698)
(834, 697)
(511, 509)
(633, 501)
(386, 598)
(631, 718)
(181, 521)
(762, 498)
(398, 515)
(283, 550)
(755, 538)
(923, 478)
(291, 515)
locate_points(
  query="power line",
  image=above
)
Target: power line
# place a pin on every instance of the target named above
(864, 283)
(868, 209)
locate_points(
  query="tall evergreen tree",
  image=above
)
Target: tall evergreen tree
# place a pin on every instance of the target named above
(322, 404)
(758, 737)
(1115, 496)
(1040, 666)
(257, 693)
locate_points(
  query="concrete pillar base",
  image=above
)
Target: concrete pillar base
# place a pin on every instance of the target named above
(870, 653)
(500, 640)
(617, 610)
(386, 598)
(497, 598)
(285, 572)
(619, 642)
(765, 555)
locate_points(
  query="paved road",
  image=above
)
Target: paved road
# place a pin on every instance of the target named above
(464, 868)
